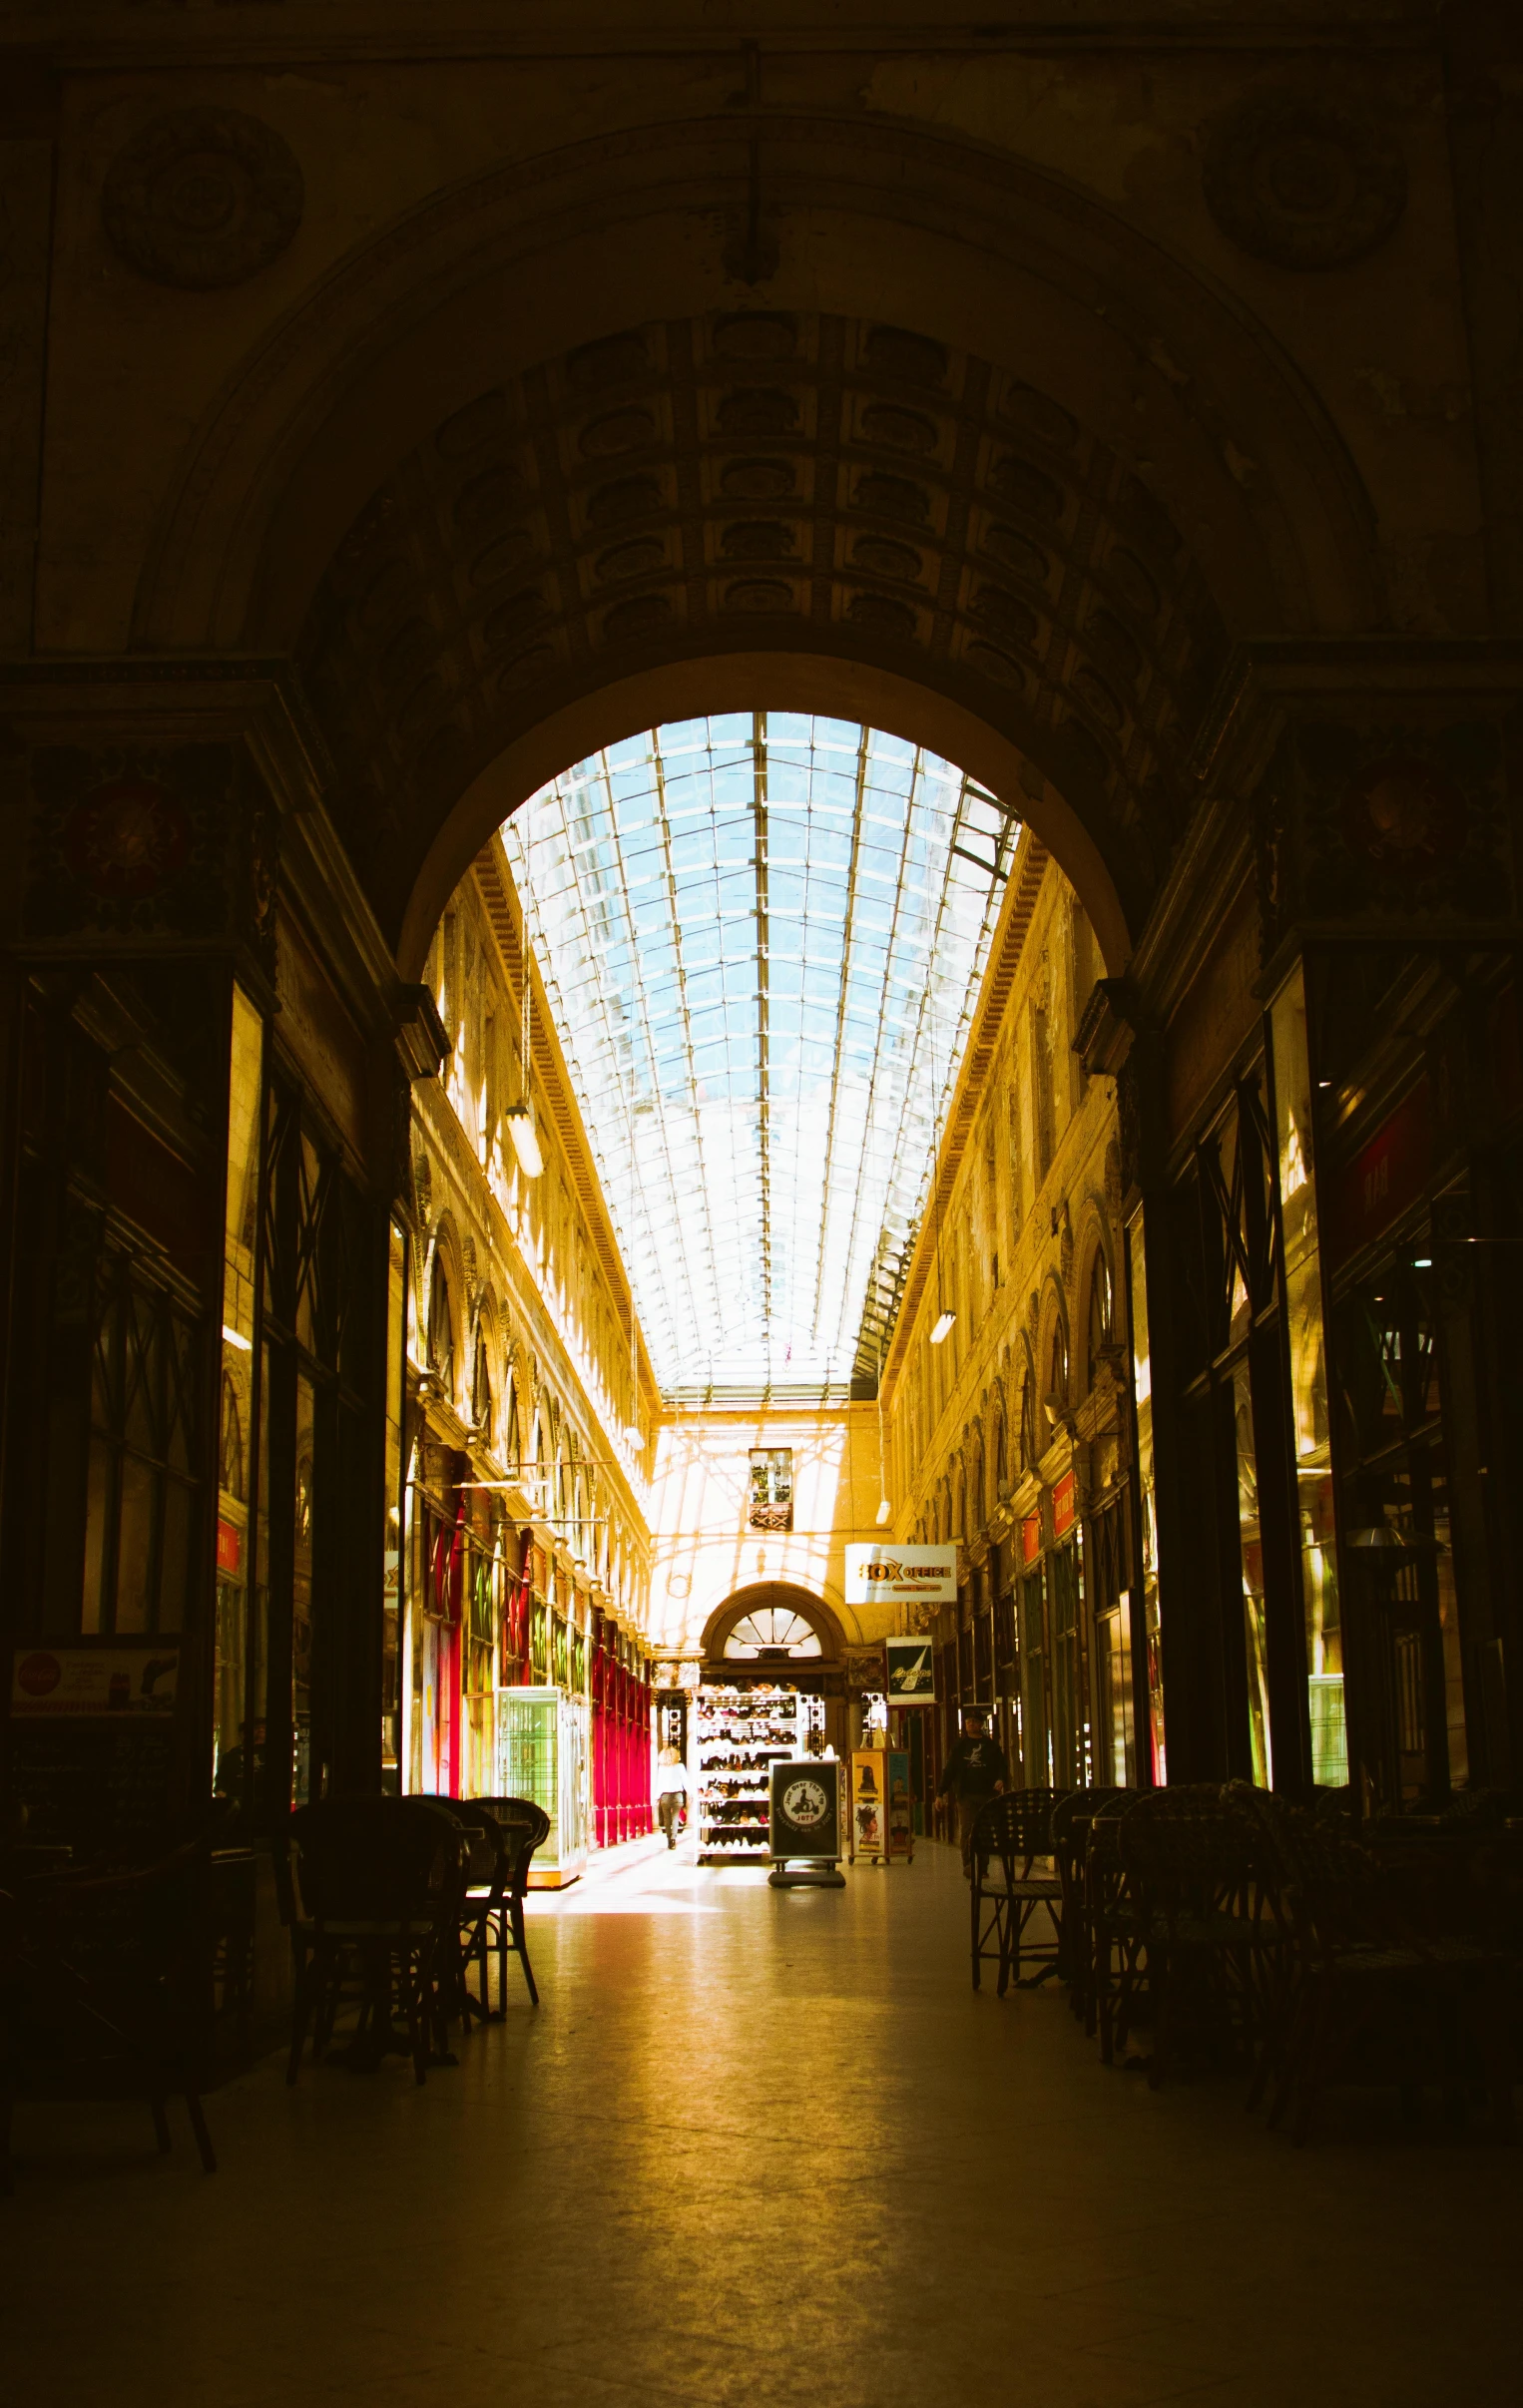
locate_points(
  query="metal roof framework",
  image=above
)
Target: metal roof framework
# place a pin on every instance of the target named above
(762, 937)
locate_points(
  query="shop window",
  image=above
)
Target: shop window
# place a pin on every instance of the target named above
(772, 1489)
(1396, 1501)
(1036, 1736)
(141, 1514)
(392, 1601)
(1250, 1558)
(1310, 1429)
(302, 1530)
(1145, 1618)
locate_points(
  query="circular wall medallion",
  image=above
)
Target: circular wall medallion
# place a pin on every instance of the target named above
(1302, 182)
(202, 198)
(1405, 815)
(126, 838)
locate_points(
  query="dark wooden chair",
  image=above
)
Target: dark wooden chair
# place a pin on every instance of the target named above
(1116, 1935)
(1072, 1821)
(108, 1977)
(1010, 1877)
(1371, 1996)
(1195, 1861)
(375, 1911)
(524, 1829)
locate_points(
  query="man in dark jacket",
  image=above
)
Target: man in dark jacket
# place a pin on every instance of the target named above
(975, 1771)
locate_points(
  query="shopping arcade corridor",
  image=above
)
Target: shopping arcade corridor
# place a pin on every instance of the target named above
(760, 2146)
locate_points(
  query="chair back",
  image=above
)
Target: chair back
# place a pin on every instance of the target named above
(1077, 1803)
(1016, 1826)
(489, 1857)
(377, 1859)
(524, 1827)
(1190, 1843)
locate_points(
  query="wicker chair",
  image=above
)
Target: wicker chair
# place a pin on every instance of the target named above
(373, 1902)
(109, 1976)
(1369, 1994)
(1192, 1853)
(1072, 1820)
(524, 1827)
(1012, 1832)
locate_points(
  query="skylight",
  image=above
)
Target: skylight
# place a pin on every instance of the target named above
(762, 937)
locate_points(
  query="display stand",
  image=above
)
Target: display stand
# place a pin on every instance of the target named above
(869, 1804)
(741, 1733)
(805, 1823)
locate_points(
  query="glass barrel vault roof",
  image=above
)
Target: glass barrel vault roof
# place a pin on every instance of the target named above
(762, 937)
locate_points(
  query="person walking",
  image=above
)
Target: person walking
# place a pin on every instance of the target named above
(670, 1791)
(975, 1771)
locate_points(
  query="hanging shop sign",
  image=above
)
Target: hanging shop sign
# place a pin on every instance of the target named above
(1063, 1506)
(1031, 1538)
(229, 1546)
(911, 1671)
(879, 1574)
(803, 1811)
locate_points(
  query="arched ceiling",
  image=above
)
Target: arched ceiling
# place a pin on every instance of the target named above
(763, 481)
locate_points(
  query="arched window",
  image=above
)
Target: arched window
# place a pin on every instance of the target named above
(770, 1628)
(481, 1391)
(441, 1328)
(231, 1473)
(1098, 1320)
(1057, 1374)
(1027, 1423)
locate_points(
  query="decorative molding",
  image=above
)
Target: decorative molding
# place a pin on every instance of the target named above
(1304, 182)
(202, 198)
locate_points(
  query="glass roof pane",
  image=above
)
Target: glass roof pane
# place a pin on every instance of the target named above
(761, 936)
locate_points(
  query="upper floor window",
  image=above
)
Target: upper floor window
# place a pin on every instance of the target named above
(772, 1488)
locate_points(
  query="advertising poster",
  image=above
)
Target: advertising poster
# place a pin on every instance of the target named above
(870, 1803)
(911, 1671)
(803, 1807)
(901, 1809)
(883, 1574)
(87, 1683)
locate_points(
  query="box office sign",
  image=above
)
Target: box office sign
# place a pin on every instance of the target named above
(90, 1684)
(803, 1807)
(879, 1574)
(911, 1671)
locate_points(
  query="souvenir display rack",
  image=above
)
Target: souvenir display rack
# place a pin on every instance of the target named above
(740, 1734)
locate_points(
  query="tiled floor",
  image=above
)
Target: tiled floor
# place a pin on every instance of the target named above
(757, 2149)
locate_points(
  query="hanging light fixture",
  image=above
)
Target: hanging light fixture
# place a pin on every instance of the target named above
(520, 1116)
(521, 1130)
(943, 1328)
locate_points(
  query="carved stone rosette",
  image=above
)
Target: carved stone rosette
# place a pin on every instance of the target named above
(203, 198)
(1301, 183)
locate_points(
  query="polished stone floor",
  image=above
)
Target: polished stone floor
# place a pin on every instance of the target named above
(758, 2150)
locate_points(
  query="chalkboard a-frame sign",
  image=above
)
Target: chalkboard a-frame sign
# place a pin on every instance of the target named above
(92, 1741)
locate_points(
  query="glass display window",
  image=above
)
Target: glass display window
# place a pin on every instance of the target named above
(1312, 1437)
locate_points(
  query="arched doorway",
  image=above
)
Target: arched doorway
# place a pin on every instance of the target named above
(773, 1689)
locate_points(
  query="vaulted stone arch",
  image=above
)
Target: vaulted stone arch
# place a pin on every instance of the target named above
(764, 482)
